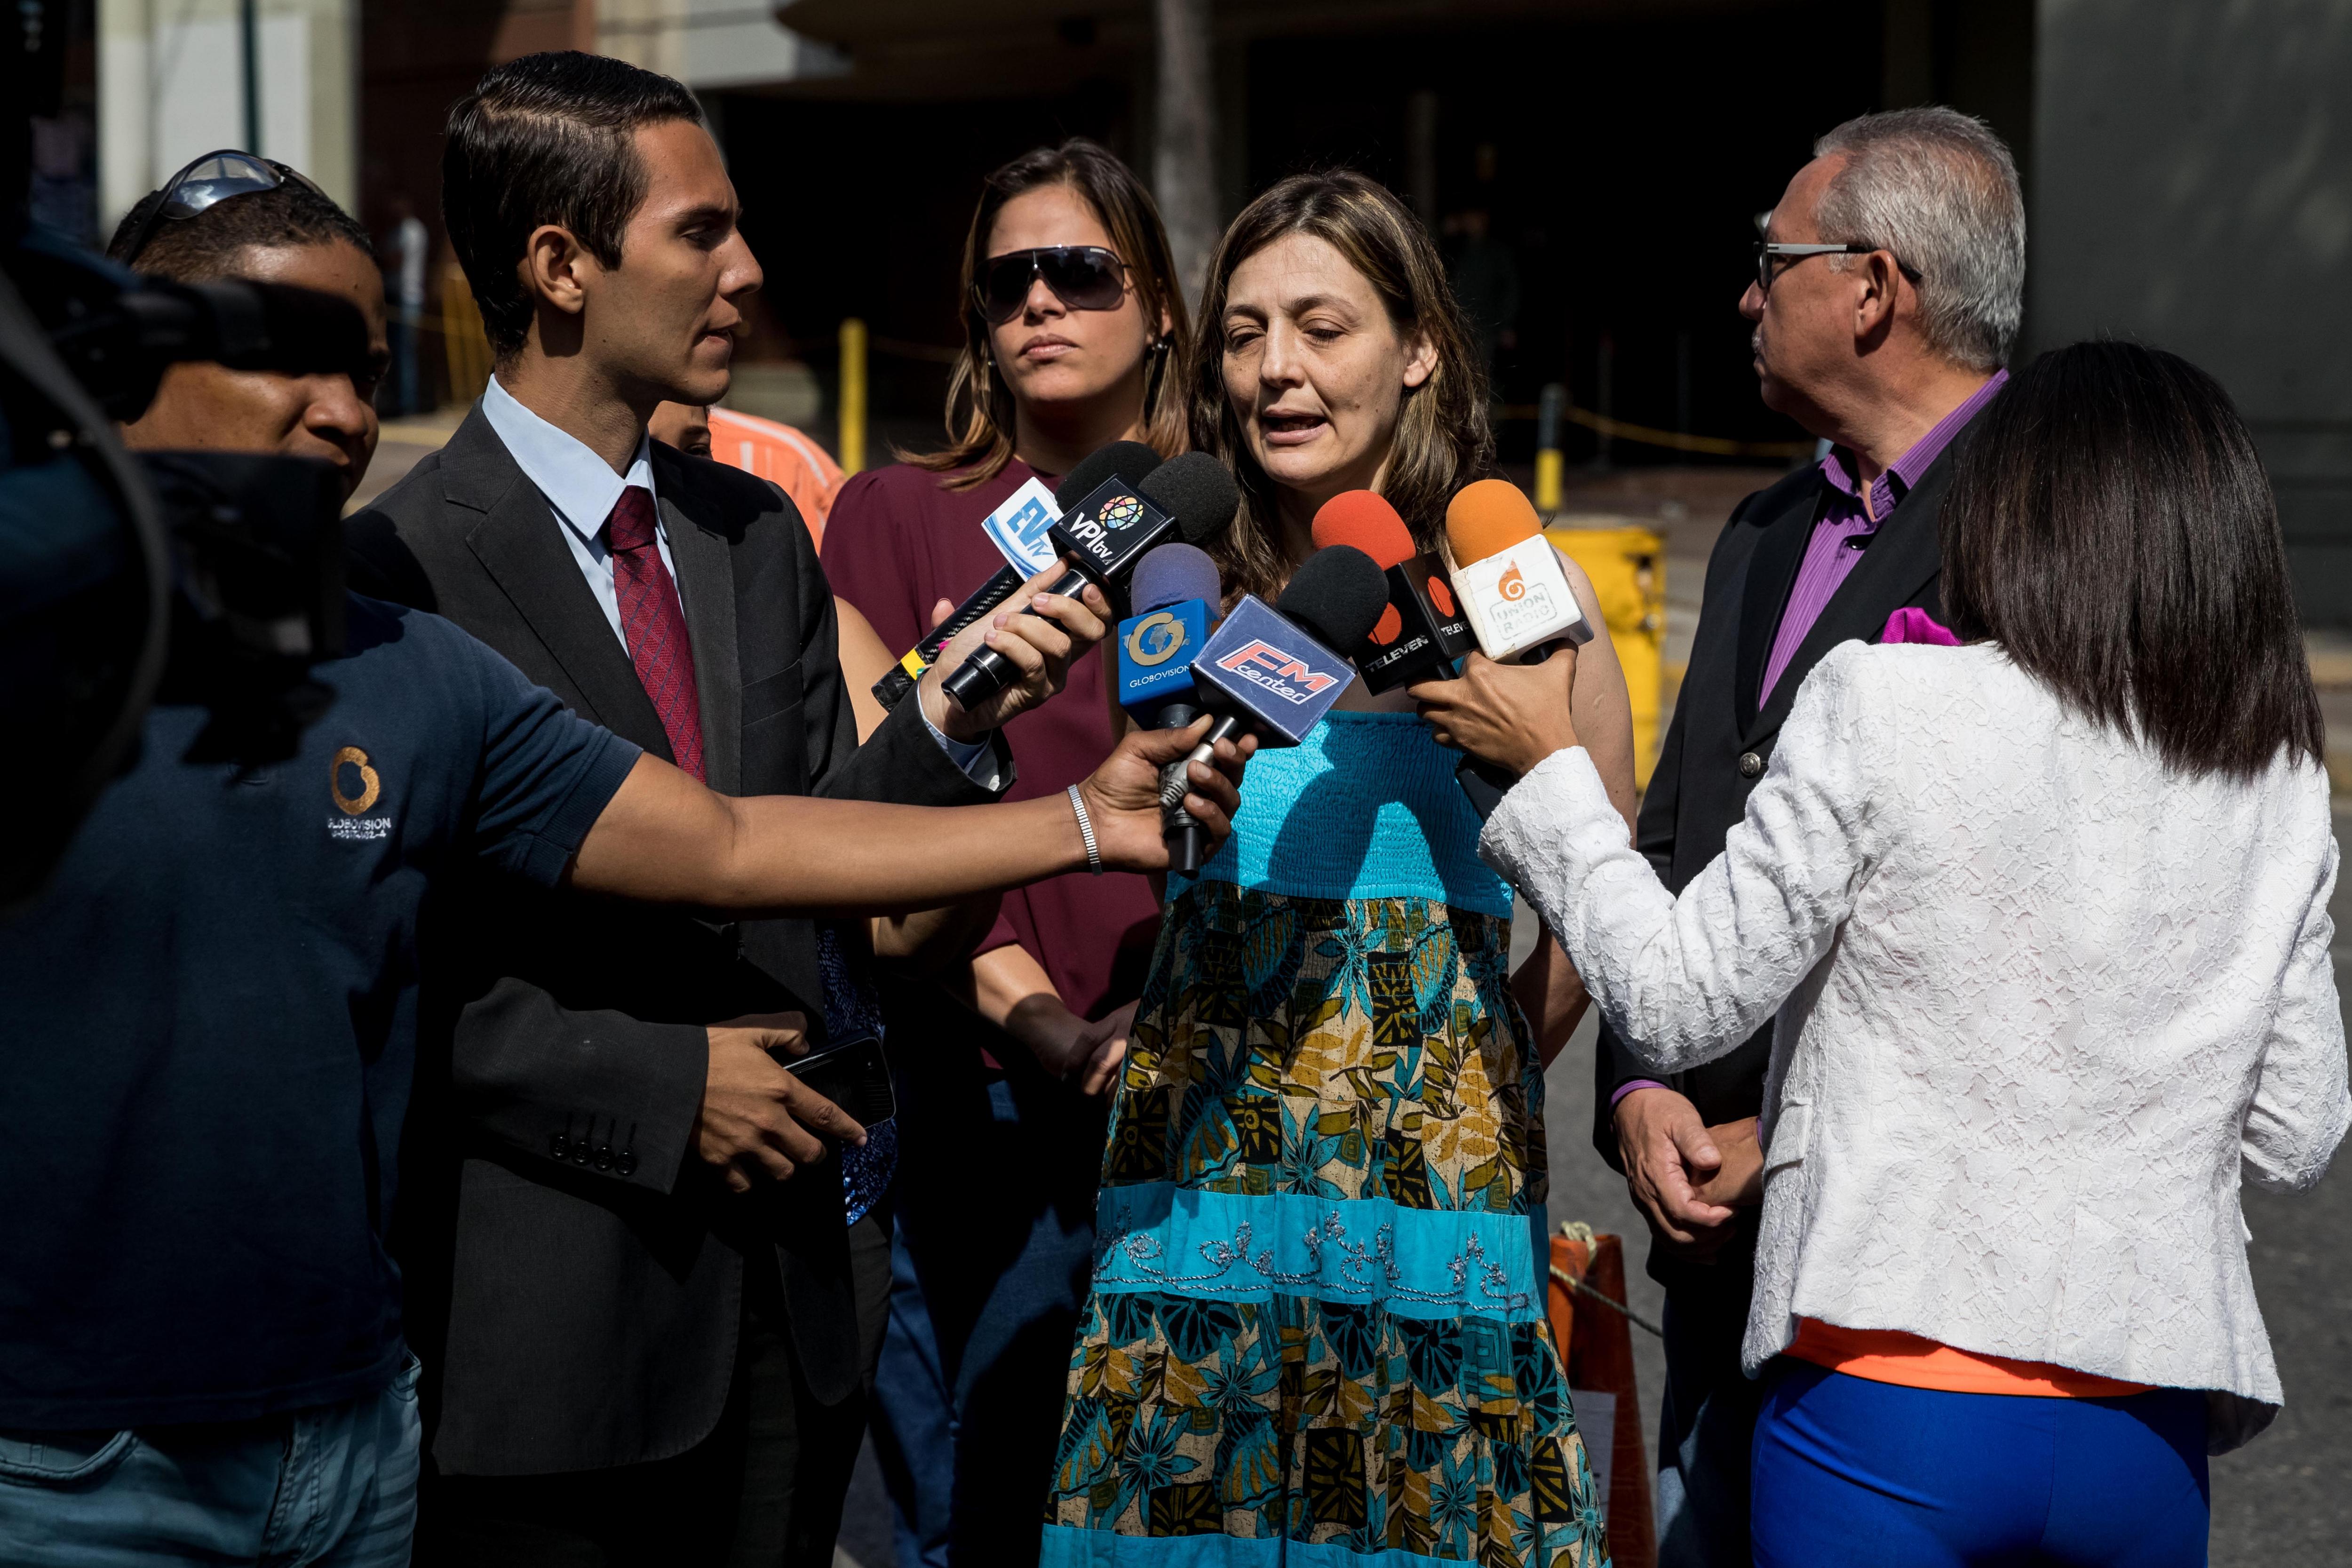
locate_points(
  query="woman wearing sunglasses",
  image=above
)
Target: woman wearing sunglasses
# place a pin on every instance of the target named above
(1075, 335)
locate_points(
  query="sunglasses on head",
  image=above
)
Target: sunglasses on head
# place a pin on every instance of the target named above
(1082, 277)
(210, 180)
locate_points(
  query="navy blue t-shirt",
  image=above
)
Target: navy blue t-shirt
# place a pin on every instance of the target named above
(208, 1034)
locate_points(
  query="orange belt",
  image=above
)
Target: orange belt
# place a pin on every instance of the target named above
(1887, 1355)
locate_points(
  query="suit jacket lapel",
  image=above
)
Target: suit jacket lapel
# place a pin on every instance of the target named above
(1771, 572)
(518, 545)
(1906, 552)
(706, 585)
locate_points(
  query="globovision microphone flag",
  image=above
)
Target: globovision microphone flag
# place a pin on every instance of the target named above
(1190, 498)
(1173, 589)
(1509, 582)
(1272, 670)
(1127, 460)
(1423, 632)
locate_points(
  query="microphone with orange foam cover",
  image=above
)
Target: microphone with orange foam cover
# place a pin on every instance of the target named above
(1422, 633)
(1512, 589)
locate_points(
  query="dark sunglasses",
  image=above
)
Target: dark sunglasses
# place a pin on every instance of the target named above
(1083, 277)
(210, 180)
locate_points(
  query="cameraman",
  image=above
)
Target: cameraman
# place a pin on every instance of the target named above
(211, 1035)
(234, 216)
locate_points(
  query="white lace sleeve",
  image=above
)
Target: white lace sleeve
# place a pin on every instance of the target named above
(2300, 1107)
(1684, 980)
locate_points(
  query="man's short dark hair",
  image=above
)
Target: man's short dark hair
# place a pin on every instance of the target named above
(546, 139)
(194, 249)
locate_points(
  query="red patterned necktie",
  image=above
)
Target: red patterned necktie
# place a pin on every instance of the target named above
(654, 625)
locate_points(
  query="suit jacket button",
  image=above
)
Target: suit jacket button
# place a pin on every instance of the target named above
(559, 1146)
(1750, 765)
(626, 1164)
(604, 1156)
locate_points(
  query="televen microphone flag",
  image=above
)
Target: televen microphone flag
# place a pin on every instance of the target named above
(1423, 632)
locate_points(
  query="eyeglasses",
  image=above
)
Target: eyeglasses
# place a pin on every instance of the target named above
(1083, 277)
(1767, 251)
(209, 181)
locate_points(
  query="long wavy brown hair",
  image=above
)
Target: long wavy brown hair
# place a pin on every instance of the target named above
(980, 414)
(1444, 437)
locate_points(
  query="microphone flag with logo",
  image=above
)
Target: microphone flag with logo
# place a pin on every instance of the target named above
(1173, 589)
(1192, 498)
(1127, 460)
(1423, 632)
(1274, 671)
(1510, 581)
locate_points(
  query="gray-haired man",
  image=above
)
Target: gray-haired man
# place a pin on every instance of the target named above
(1887, 294)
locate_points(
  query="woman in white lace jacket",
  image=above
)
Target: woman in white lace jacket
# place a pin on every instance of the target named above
(2044, 918)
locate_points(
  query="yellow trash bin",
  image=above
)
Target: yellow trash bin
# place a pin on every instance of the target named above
(1628, 568)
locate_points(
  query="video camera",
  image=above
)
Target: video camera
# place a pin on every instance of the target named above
(211, 577)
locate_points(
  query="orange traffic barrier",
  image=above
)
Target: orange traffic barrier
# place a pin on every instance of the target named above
(1586, 1303)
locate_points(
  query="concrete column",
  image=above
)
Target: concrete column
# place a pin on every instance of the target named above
(1183, 143)
(171, 87)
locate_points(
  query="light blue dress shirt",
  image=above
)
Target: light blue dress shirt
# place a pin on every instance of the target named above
(582, 489)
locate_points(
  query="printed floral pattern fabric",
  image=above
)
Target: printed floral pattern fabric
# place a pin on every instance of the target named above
(1315, 1333)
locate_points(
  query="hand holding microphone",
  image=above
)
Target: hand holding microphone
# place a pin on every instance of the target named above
(1519, 602)
(1192, 498)
(1034, 635)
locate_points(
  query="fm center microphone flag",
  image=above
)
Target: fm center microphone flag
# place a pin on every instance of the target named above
(1261, 667)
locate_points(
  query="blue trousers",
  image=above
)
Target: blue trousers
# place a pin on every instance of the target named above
(1848, 1472)
(329, 1488)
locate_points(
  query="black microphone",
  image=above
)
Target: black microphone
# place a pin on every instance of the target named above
(1127, 460)
(1272, 670)
(1192, 498)
(1175, 591)
(1423, 633)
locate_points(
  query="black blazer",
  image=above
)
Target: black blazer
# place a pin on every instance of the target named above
(573, 1270)
(1720, 738)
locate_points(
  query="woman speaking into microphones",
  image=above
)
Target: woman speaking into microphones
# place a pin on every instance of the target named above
(2040, 904)
(1313, 1271)
(1076, 349)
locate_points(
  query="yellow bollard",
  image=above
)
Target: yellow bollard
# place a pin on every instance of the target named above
(1628, 568)
(853, 395)
(1548, 462)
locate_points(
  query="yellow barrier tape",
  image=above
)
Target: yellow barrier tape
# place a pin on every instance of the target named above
(1650, 436)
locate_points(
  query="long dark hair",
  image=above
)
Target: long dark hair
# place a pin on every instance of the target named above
(1444, 438)
(980, 407)
(2111, 528)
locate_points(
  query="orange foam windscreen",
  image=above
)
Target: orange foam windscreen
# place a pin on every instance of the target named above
(1363, 519)
(1485, 517)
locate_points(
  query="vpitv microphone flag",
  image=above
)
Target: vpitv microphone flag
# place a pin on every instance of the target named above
(1127, 460)
(1173, 589)
(1272, 670)
(1510, 581)
(1423, 632)
(1190, 498)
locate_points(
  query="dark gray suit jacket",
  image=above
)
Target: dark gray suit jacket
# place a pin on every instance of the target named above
(573, 1270)
(1699, 789)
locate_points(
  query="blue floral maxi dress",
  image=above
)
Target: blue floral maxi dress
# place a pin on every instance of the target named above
(1316, 1334)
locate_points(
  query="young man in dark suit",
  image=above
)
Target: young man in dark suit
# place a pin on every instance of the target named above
(645, 1297)
(1888, 291)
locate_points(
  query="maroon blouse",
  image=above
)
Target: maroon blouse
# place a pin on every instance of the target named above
(896, 543)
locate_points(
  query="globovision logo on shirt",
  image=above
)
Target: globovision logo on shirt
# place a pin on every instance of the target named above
(354, 785)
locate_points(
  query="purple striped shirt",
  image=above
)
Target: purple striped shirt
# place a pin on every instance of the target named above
(1846, 525)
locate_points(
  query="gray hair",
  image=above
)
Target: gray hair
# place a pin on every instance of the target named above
(1938, 189)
